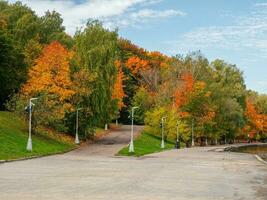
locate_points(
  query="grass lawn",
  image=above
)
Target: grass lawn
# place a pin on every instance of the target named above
(14, 136)
(146, 144)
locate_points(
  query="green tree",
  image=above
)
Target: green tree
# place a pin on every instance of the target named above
(96, 50)
(51, 24)
(12, 69)
(228, 94)
(144, 101)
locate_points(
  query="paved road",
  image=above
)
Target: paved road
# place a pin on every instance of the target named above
(110, 144)
(186, 174)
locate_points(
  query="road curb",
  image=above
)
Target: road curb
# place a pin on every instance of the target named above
(38, 156)
(260, 159)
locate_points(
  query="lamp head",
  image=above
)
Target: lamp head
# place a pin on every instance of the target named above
(32, 99)
(163, 118)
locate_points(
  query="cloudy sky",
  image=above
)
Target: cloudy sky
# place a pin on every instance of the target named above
(233, 30)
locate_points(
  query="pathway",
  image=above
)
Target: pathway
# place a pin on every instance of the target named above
(92, 172)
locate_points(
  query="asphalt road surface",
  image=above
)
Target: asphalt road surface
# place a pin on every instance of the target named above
(93, 172)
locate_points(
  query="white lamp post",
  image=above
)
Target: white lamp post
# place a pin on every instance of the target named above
(29, 143)
(177, 145)
(131, 147)
(117, 123)
(162, 132)
(193, 139)
(77, 126)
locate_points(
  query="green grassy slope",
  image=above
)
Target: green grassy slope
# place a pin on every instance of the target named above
(13, 140)
(146, 144)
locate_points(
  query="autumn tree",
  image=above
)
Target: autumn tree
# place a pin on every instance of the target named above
(191, 101)
(255, 119)
(149, 69)
(128, 49)
(49, 79)
(129, 55)
(253, 123)
(104, 74)
(153, 121)
(137, 65)
(183, 90)
(29, 33)
(118, 89)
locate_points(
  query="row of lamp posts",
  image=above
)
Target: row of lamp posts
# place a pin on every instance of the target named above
(131, 146)
(163, 120)
(30, 108)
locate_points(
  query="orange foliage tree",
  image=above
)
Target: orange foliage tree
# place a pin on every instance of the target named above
(49, 79)
(148, 69)
(181, 94)
(255, 121)
(118, 89)
(130, 49)
(157, 59)
(135, 64)
(191, 102)
(264, 124)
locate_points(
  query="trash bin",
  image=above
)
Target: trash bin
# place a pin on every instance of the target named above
(177, 145)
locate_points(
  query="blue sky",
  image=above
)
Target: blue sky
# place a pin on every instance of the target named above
(233, 30)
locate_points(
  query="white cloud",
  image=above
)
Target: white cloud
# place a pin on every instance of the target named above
(262, 83)
(137, 18)
(242, 41)
(261, 4)
(245, 32)
(147, 13)
(112, 12)
(151, 2)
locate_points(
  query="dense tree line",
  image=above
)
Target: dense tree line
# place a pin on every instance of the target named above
(22, 36)
(105, 76)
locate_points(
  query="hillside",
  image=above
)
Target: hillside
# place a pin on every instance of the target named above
(14, 135)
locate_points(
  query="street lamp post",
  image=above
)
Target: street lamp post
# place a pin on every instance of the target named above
(177, 145)
(193, 139)
(77, 126)
(117, 123)
(29, 143)
(131, 147)
(162, 132)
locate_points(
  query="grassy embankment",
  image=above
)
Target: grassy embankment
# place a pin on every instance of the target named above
(147, 144)
(14, 136)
